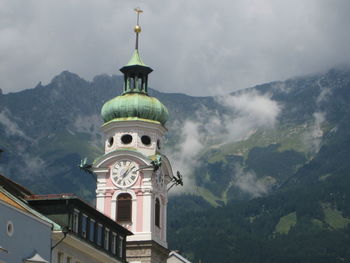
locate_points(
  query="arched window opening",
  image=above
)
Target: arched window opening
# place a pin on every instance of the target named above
(131, 83)
(124, 208)
(157, 213)
(139, 84)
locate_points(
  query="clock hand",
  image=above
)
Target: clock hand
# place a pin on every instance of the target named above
(128, 170)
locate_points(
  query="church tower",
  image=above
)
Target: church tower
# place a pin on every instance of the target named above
(133, 174)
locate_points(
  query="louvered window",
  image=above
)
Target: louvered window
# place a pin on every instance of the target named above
(124, 208)
(157, 213)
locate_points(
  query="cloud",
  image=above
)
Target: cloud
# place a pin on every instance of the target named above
(246, 112)
(250, 111)
(281, 87)
(196, 47)
(28, 166)
(185, 157)
(313, 136)
(10, 127)
(324, 94)
(32, 166)
(248, 183)
(90, 124)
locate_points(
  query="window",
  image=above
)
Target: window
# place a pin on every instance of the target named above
(92, 230)
(124, 208)
(126, 138)
(106, 239)
(113, 243)
(76, 221)
(132, 83)
(9, 228)
(69, 260)
(146, 140)
(59, 257)
(120, 246)
(110, 141)
(157, 213)
(84, 225)
(139, 83)
(99, 234)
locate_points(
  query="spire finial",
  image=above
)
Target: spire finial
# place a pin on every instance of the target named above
(137, 28)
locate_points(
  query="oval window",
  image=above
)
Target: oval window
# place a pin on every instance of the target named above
(126, 139)
(9, 228)
(146, 140)
(158, 144)
(110, 141)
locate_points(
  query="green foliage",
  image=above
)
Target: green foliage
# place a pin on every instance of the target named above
(303, 216)
(286, 223)
(334, 217)
(269, 161)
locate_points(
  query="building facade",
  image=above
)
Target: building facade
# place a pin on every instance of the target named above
(84, 234)
(58, 228)
(24, 236)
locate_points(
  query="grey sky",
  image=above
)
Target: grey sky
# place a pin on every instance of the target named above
(195, 47)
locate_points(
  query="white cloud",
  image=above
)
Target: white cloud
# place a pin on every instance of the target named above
(247, 112)
(281, 87)
(10, 127)
(324, 94)
(313, 136)
(185, 157)
(251, 111)
(196, 47)
(31, 166)
(90, 124)
(249, 183)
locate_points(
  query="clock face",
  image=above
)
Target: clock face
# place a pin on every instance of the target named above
(124, 173)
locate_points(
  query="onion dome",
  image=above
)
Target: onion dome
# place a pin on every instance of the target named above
(131, 105)
(135, 102)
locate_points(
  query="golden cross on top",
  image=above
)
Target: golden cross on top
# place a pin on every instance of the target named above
(138, 11)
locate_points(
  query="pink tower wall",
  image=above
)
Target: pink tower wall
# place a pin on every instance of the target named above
(139, 202)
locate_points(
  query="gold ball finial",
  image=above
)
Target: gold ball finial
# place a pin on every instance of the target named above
(137, 29)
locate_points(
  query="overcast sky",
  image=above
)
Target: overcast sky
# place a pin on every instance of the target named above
(195, 47)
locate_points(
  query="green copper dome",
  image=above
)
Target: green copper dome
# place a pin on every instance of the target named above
(135, 105)
(135, 101)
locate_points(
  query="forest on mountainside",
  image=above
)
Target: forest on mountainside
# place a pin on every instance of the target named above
(266, 168)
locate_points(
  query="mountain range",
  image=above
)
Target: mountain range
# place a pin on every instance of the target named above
(266, 168)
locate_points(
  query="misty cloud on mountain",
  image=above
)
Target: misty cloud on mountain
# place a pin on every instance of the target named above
(245, 113)
(10, 127)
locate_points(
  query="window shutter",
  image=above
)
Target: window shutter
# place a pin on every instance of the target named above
(124, 208)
